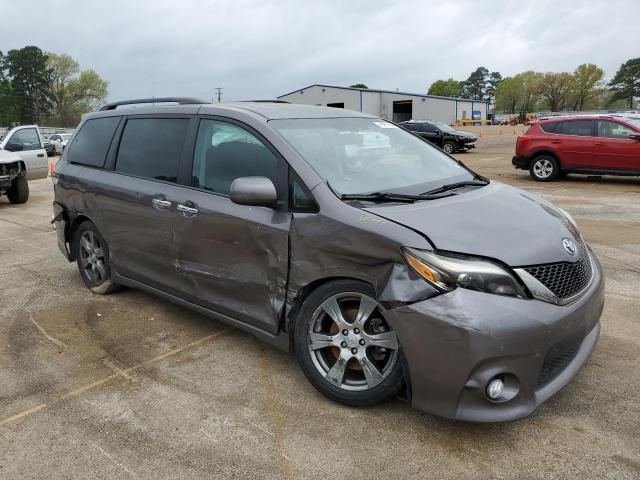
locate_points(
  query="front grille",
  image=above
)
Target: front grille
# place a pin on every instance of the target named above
(564, 279)
(9, 168)
(555, 362)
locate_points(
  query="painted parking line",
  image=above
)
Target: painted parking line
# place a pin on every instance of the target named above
(119, 374)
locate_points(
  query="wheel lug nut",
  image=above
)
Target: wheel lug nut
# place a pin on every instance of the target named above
(354, 350)
(361, 341)
(356, 331)
(345, 332)
(343, 344)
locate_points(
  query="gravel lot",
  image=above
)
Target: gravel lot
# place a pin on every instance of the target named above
(129, 386)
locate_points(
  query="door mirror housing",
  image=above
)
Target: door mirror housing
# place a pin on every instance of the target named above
(256, 191)
(635, 136)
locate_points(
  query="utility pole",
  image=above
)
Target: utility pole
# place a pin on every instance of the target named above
(219, 92)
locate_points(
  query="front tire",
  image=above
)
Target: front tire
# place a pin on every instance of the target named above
(448, 147)
(19, 191)
(345, 347)
(544, 168)
(92, 257)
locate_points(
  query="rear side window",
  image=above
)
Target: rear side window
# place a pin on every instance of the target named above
(580, 128)
(151, 147)
(413, 127)
(90, 145)
(551, 127)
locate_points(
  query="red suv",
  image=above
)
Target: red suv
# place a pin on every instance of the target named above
(592, 144)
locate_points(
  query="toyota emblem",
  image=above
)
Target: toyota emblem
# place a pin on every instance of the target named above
(569, 246)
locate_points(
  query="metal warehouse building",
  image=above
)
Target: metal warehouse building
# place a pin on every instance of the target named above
(394, 106)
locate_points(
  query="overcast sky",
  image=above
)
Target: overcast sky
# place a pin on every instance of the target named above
(261, 49)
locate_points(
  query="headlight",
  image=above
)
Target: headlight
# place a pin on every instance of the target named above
(447, 272)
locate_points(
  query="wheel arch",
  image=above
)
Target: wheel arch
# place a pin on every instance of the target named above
(71, 231)
(545, 152)
(303, 293)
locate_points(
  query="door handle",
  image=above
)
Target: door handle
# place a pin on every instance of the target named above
(160, 204)
(556, 141)
(600, 144)
(187, 209)
(41, 155)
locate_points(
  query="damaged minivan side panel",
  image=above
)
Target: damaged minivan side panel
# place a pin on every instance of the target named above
(343, 241)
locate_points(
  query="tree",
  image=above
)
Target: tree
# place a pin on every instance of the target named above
(555, 89)
(446, 88)
(73, 92)
(29, 75)
(509, 94)
(626, 82)
(475, 86)
(359, 85)
(585, 79)
(531, 86)
(492, 84)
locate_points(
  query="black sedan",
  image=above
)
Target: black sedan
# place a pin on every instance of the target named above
(442, 135)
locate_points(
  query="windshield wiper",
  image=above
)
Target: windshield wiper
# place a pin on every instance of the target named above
(453, 186)
(388, 197)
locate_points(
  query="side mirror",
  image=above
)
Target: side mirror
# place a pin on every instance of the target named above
(635, 136)
(13, 147)
(256, 191)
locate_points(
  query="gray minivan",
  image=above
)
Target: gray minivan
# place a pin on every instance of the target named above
(386, 265)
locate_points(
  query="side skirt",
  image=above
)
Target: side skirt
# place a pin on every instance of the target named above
(280, 341)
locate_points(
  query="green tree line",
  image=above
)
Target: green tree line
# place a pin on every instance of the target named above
(582, 89)
(46, 88)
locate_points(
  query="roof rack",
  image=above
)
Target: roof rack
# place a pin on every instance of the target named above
(178, 100)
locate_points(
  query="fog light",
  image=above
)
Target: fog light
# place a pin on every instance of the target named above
(495, 389)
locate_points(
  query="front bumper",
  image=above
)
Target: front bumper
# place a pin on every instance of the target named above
(521, 162)
(456, 342)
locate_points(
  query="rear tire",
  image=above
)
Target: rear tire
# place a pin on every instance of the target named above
(19, 191)
(544, 168)
(92, 257)
(358, 369)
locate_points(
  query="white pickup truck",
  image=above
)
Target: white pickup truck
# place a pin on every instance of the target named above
(22, 158)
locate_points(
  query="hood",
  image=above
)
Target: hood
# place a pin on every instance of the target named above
(8, 157)
(496, 221)
(466, 134)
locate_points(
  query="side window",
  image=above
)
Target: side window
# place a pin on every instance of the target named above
(430, 128)
(607, 129)
(25, 139)
(224, 152)
(580, 128)
(90, 145)
(300, 199)
(414, 127)
(151, 147)
(551, 127)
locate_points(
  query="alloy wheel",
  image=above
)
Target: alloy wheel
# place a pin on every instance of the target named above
(543, 168)
(92, 258)
(350, 343)
(448, 148)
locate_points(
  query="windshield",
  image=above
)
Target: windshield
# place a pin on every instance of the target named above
(66, 136)
(634, 120)
(366, 155)
(444, 127)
